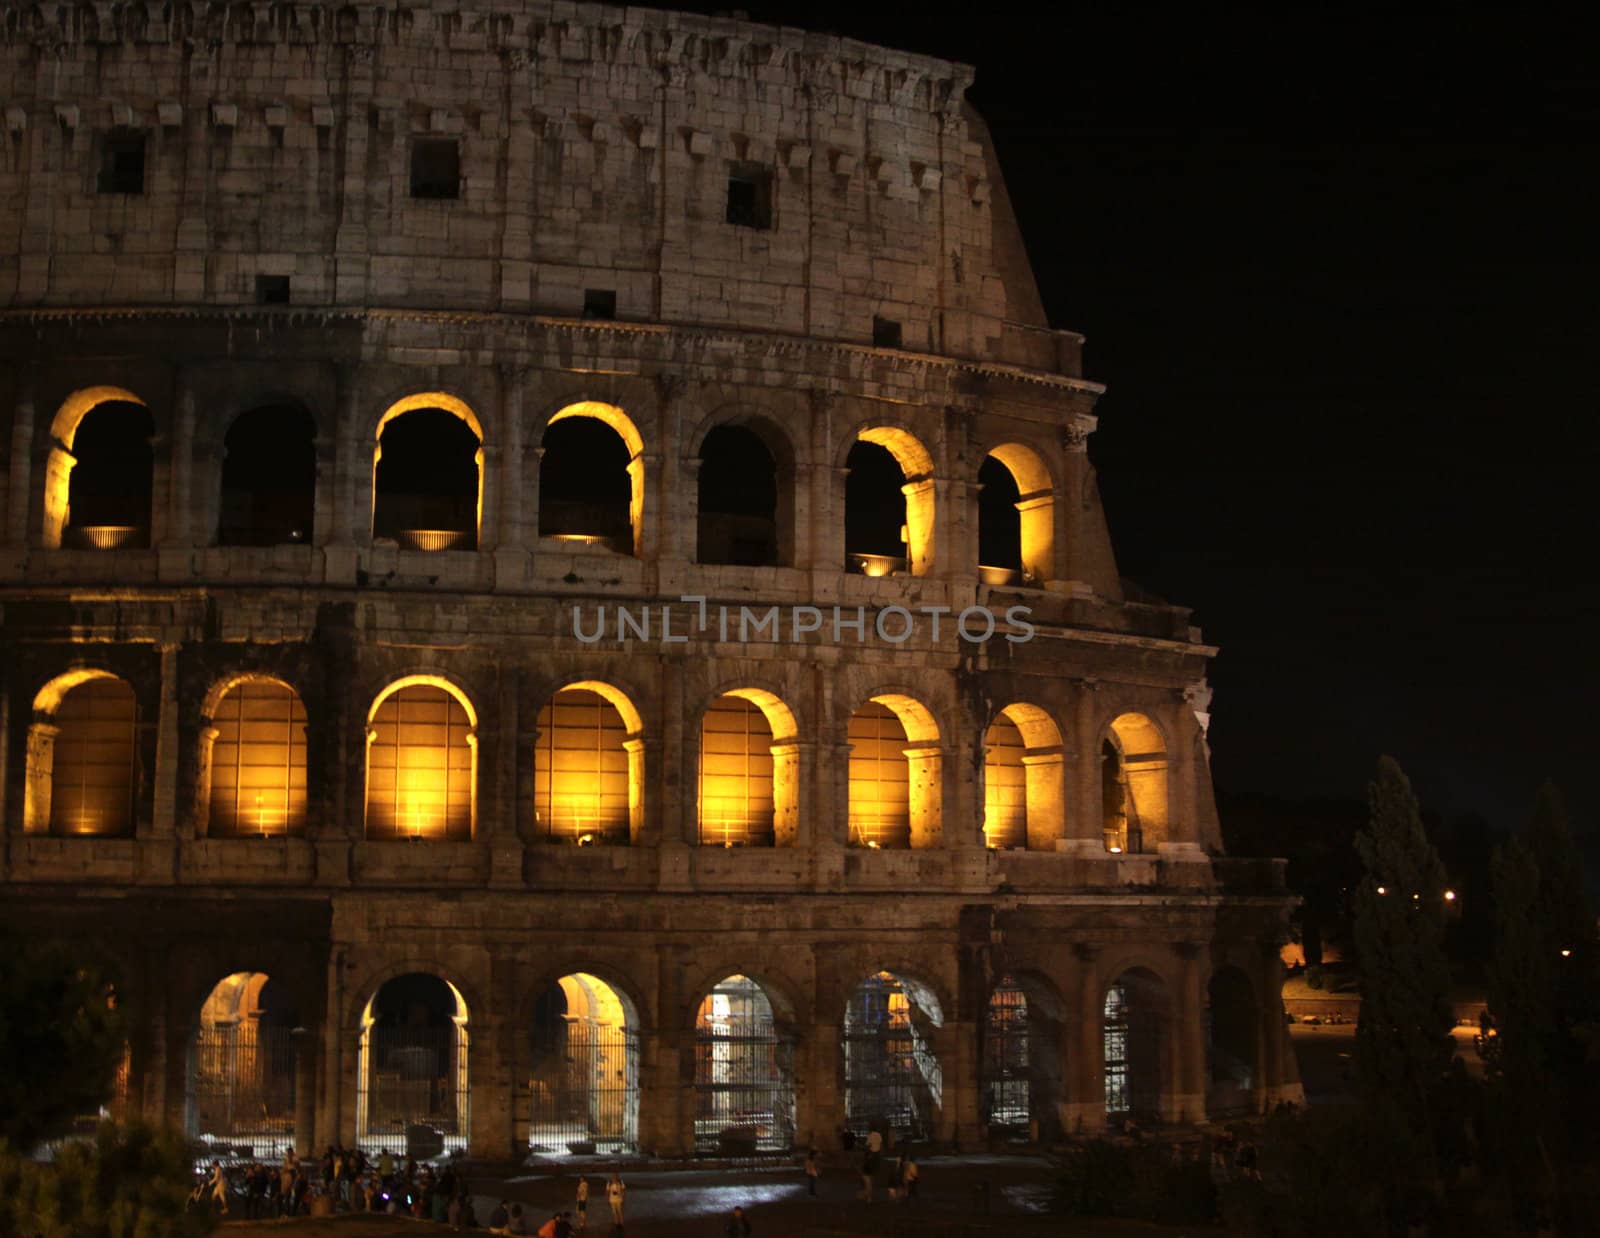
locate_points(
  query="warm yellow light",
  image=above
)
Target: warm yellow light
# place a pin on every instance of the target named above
(432, 539)
(877, 565)
(107, 536)
(583, 539)
(1566, 954)
(585, 840)
(1383, 889)
(1449, 896)
(1115, 850)
(872, 843)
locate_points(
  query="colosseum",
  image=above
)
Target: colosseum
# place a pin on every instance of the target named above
(554, 600)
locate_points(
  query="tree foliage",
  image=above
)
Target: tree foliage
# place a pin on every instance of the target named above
(1403, 1046)
(60, 1036)
(129, 1182)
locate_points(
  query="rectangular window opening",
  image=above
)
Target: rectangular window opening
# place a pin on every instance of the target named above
(121, 163)
(885, 333)
(272, 290)
(435, 168)
(599, 303)
(750, 195)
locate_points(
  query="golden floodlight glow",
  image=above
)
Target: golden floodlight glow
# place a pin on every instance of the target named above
(1383, 889)
(1449, 896)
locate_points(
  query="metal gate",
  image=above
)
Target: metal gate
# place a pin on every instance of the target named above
(243, 1086)
(585, 1090)
(413, 1077)
(1006, 1078)
(892, 1079)
(743, 1074)
(1132, 1045)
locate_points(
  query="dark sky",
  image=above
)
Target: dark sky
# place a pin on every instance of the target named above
(1340, 278)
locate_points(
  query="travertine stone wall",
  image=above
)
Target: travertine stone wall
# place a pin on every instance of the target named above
(595, 150)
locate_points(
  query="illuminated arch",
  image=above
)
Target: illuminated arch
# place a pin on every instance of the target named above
(1024, 797)
(896, 774)
(588, 782)
(409, 1075)
(916, 467)
(1035, 510)
(619, 422)
(743, 1071)
(442, 401)
(422, 761)
(243, 1058)
(59, 460)
(893, 1080)
(79, 773)
(1134, 785)
(583, 1077)
(252, 777)
(749, 770)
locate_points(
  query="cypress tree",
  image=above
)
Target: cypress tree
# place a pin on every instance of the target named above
(1403, 1045)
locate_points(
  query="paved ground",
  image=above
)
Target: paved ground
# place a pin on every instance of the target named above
(694, 1204)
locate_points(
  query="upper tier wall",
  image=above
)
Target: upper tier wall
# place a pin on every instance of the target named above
(595, 147)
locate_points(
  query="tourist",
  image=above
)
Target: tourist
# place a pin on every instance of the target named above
(548, 1229)
(616, 1190)
(896, 1179)
(911, 1175)
(500, 1217)
(386, 1167)
(869, 1165)
(813, 1172)
(738, 1224)
(583, 1203)
(217, 1188)
(564, 1225)
(518, 1224)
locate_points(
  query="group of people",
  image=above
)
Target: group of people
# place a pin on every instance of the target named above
(345, 1180)
(904, 1172)
(512, 1218)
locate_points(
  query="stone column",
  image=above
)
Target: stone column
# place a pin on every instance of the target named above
(350, 241)
(956, 1046)
(307, 1055)
(1069, 512)
(1085, 833)
(331, 1122)
(1083, 1109)
(493, 1130)
(1048, 821)
(490, 462)
(20, 474)
(665, 1122)
(504, 834)
(793, 784)
(511, 551)
(1186, 1100)
(1183, 839)
(177, 527)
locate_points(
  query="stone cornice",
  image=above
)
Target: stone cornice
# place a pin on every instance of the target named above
(774, 343)
(523, 31)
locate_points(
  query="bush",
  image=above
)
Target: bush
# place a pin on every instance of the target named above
(128, 1182)
(1102, 1178)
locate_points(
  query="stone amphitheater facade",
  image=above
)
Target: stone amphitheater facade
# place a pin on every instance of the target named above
(988, 871)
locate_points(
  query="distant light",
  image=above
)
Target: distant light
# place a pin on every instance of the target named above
(1566, 954)
(585, 840)
(1383, 889)
(873, 844)
(1449, 896)
(1415, 897)
(1114, 850)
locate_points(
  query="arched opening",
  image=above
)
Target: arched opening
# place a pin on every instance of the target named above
(1133, 781)
(422, 762)
(591, 478)
(895, 772)
(427, 478)
(1020, 1082)
(744, 496)
(999, 525)
(269, 478)
(257, 761)
(242, 1065)
(1232, 1024)
(749, 772)
(1016, 518)
(1134, 1038)
(588, 767)
(892, 1078)
(80, 778)
(413, 1082)
(110, 486)
(584, 1080)
(1023, 796)
(888, 509)
(743, 1073)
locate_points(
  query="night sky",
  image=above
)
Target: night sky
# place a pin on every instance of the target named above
(1339, 279)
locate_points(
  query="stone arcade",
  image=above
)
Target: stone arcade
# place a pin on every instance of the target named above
(345, 351)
